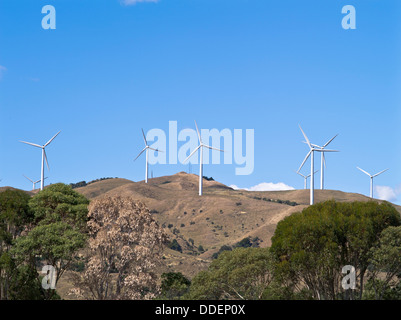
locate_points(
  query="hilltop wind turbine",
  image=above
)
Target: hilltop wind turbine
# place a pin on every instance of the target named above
(44, 157)
(322, 160)
(147, 148)
(305, 178)
(33, 182)
(371, 179)
(311, 154)
(200, 146)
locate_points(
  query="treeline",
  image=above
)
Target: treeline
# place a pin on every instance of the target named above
(329, 251)
(84, 183)
(287, 202)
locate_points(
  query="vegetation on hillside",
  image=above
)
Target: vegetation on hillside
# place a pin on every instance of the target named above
(112, 246)
(306, 259)
(84, 183)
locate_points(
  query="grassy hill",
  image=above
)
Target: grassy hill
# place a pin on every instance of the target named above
(222, 216)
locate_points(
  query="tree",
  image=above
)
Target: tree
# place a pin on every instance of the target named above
(385, 267)
(124, 247)
(313, 245)
(59, 202)
(174, 285)
(241, 274)
(15, 217)
(58, 232)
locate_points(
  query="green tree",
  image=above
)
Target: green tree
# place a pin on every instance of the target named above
(60, 216)
(385, 268)
(15, 216)
(313, 245)
(243, 273)
(59, 202)
(174, 285)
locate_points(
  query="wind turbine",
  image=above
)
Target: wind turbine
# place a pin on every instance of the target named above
(147, 148)
(33, 182)
(371, 179)
(44, 157)
(311, 154)
(200, 146)
(305, 177)
(322, 160)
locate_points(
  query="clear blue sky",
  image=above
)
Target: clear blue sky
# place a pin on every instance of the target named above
(109, 69)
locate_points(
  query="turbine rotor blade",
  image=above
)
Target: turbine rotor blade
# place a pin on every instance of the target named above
(212, 148)
(327, 143)
(155, 149)
(192, 153)
(47, 163)
(306, 158)
(300, 174)
(48, 142)
(306, 138)
(313, 145)
(32, 144)
(365, 172)
(28, 178)
(199, 136)
(325, 150)
(144, 138)
(379, 173)
(324, 160)
(140, 153)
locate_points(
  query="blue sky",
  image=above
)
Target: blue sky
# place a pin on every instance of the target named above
(111, 68)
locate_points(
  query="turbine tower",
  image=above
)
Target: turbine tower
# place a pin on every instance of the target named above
(200, 146)
(371, 179)
(311, 154)
(33, 182)
(44, 157)
(322, 160)
(305, 178)
(147, 148)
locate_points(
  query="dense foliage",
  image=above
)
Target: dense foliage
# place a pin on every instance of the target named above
(314, 245)
(47, 229)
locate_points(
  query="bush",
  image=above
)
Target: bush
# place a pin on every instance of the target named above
(174, 285)
(174, 245)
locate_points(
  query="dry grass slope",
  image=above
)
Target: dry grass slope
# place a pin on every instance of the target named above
(222, 216)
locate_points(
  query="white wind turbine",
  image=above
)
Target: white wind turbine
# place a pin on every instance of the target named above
(44, 157)
(311, 153)
(371, 179)
(322, 160)
(200, 146)
(147, 148)
(33, 182)
(305, 178)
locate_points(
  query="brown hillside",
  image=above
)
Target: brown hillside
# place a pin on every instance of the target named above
(222, 216)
